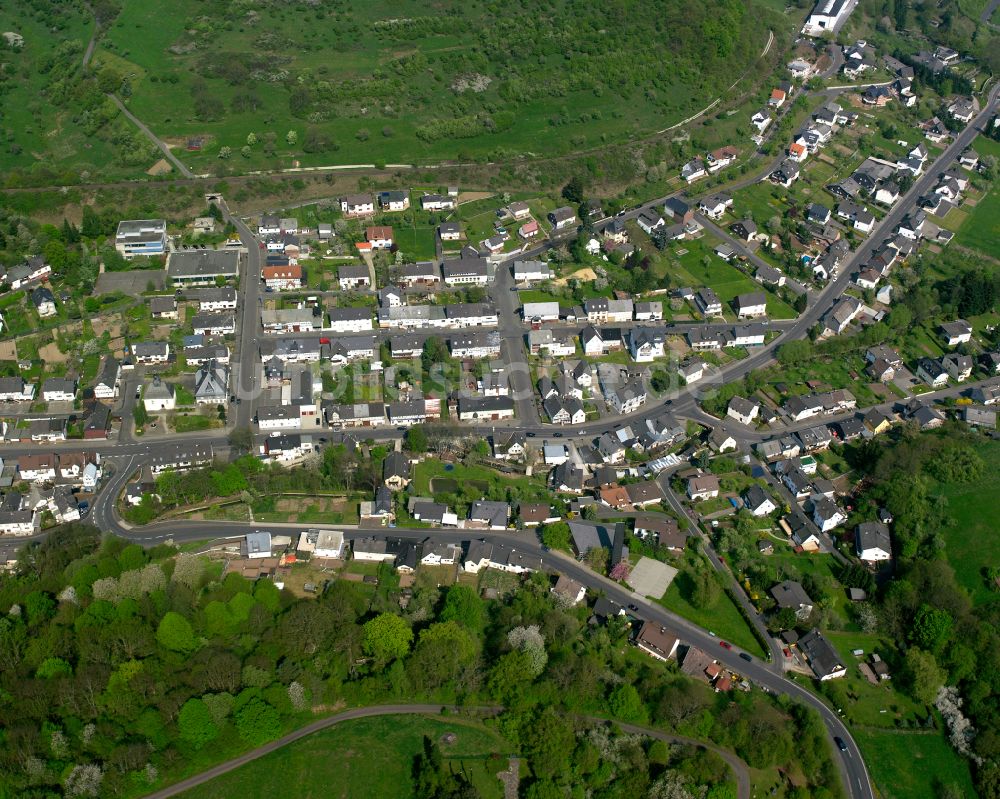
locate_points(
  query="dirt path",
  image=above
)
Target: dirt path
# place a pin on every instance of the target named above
(510, 777)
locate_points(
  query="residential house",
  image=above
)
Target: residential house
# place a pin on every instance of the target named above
(760, 120)
(750, 306)
(562, 218)
(708, 302)
(354, 205)
(957, 332)
(786, 173)
(214, 324)
(158, 396)
(59, 389)
(932, 372)
(163, 307)
(282, 278)
(351, 277)
(394, 200)
(437, 202)
(570, 590)
(595, 535)
(743, 410)
(519, 210)
(958, 366)
(466, 272)
(108, 378)
(567, 478)
(531, 272)
(823, 659)
(678, 210)
(791, 595)
(529, 230)
(379, 237)
(649, 221)
(872, 542)
(693, 170)
(471, 409)
(654, 640)
(508, 446)
(757, 501)
(423, 273)
(211, 384)
(646, 311)
(14, 389)
(450, 231)
(701, 487)
(721, 158)
(645, 344)
(826, 514)
(44, 301)
(715, 206)
(38, 468)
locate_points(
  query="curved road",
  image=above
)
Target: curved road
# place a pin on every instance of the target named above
(738, 767)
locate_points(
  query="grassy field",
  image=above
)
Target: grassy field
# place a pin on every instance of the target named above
(980, 230)
(912, 765)
(389, 81)
(36, 130)
(971, 543)
(723, 618)
(367, 757)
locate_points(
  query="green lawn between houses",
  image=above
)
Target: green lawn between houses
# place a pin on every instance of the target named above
(367, 757)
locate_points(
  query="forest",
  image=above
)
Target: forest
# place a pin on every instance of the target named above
(124, 669)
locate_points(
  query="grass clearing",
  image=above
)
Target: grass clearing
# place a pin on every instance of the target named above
(392, 82)
(980, 229)
(367, 757)
(912, 765)
(722, 617)
(971, 543)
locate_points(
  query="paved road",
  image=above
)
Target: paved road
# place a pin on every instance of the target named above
(247, 386)
(740, 770)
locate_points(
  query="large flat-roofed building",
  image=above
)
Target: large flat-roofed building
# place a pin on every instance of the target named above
(828, 16)
(202, 267)
(141, 237)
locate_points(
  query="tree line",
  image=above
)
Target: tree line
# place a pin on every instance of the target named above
(123, 669)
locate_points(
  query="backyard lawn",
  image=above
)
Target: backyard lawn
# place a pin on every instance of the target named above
(367, 757)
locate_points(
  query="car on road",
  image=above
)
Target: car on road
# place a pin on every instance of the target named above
(840, 743)
(725, 644)
(746, 657)
(530, 434)
(711, 633)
